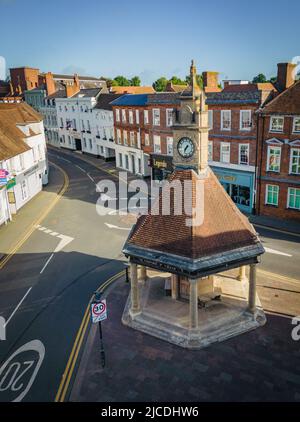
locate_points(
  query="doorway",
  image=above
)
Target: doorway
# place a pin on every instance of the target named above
(78, 146)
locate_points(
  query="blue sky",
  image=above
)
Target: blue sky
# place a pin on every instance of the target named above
(150, 38)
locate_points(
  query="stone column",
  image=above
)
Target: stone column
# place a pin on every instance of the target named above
(135, 297)
(242, 273)
(252, 288)
(174, 283)
(143, 274)
(193, 303)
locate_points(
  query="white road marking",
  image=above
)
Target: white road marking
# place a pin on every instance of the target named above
(54, 233)
(80, 168)
(90, 177)
(112, 226)
(10, 379)
(47, 262)
(17, 307)
(275, 252)
(47, 231)
(64, 159)
(64, 241)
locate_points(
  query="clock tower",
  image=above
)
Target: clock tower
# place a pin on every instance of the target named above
(190, 129)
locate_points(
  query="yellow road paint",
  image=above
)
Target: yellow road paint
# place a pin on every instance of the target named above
(67, 375)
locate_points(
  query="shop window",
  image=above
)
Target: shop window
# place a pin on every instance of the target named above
(276, 124)
(225, 119)
(294, 198)
(272, 192)
(295, 161)
(274, 155)
(225, 152)
(245, 120)
(296, 125)
(244, 154)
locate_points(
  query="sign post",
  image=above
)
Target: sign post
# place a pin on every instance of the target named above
(99, 314)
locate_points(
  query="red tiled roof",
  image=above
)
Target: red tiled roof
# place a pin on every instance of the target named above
(286, 102)
(132, 89)
(224, 227)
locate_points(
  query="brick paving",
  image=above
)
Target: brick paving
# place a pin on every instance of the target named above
(262, 365)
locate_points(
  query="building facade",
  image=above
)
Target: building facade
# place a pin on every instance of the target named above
(279, 156)
(24, 156)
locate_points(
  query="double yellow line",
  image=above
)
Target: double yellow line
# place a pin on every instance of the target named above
(33, 225)
(67, 375)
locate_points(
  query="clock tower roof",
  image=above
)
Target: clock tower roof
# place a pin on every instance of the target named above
(193, 90)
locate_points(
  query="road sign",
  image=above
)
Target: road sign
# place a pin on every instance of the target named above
(99, 311)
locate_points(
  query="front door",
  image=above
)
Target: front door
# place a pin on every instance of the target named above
(78, 144)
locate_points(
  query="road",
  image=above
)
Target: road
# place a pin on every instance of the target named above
(47, 284)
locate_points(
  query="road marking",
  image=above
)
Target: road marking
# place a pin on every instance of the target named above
(67, 375)
(275, 252)
(17, 307)
(276, 230)
(279, 276)
(112, 226)
(64, 240)
(80, 168)
(47, 262)
(12, 383)
(90, 177)
(33, 226)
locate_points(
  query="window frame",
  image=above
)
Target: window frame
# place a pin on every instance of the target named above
(210, 153)
(291, 159)
(294, 124)
(288, 198)
(169, 111)
(250, 119)
(248, 147)
(155, 138)
(222, 126)
(266, 195)
(223, 144)
(268, 158)
(271, 121)
(154, 119)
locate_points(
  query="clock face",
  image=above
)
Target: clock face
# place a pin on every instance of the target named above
(186, 147)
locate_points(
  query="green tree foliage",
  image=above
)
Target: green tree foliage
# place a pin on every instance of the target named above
(273, 80)
(160, 84)
(177, 81)
(199, 80)
(260, 78)
(135, 81)
(121, 81)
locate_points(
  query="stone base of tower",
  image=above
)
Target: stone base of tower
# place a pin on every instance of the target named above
(163, 317)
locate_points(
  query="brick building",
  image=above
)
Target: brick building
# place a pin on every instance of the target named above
(233, 138)
(278, 188)
(142, 128)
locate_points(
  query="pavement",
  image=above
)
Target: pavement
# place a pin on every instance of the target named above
(261, 365)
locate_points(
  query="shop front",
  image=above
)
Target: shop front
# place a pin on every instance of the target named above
(161, 166)
(239, 185)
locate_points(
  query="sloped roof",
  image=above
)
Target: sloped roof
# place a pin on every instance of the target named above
(132, 89)
(104, 101)
(224, 236)
(147, 99)
(288, 102)
(11, 137)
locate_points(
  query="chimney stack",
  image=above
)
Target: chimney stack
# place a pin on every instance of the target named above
(285, 76)
(210, 81)
(72, 88)
(50, 84)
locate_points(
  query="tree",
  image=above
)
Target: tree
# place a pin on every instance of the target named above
(121, 81)
(177, 81)
(135, 81)
(273, 79)
(260, 78)
(199, 80)
(160, 84)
